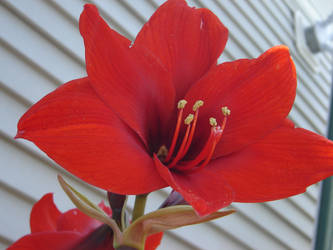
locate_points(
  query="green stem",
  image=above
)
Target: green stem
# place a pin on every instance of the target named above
(139, 206)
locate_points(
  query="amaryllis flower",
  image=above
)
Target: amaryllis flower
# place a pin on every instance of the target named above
(160, 112)
(51, 229)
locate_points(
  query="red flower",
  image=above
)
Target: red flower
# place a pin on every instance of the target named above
(70, 230)
(115, 128)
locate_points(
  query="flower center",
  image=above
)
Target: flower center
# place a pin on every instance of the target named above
(174, 160)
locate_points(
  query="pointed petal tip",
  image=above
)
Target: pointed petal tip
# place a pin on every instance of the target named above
(19, 134)
(176, 24)
(282, 50)
(89, 7)
(44, 215)
(280, 47)
(89, 11)
(206, 209)
(48, 195)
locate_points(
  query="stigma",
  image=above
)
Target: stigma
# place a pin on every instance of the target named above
(175, 160)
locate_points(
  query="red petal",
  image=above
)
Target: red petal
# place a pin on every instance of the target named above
(153, 241)
(204, 190)
(76, 221)
(282, 164)
(259, 93)
(129, 79)
(74, 127)
(44, 215)
(187, 40)
(45, 240)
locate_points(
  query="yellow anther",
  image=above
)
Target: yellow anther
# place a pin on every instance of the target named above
(212, 122)
(188, 119)
(162, 152)
(181, 104)
(225, 111)
(197, 105)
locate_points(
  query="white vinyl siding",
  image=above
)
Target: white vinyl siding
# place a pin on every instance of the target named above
(41, 48)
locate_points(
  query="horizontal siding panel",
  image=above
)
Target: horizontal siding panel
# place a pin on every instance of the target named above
(244, 227)
(38, 13)
(290, 214)
(305, 205)
(28, 41)
(273, 227)
(23, 79)
(173, 241)
(297, 115)
(318, 124)
(17, 206)
(313, 191)
(142, 9)
(72, 8)
(12, 110)
(4, 242)
(43, 179)
(115, 11)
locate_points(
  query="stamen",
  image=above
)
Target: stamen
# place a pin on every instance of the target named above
(181, 105)
(196, 107)
(212, 122)
(187, 121)
(225, 111)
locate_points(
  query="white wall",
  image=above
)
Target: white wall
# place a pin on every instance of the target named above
(40, 48)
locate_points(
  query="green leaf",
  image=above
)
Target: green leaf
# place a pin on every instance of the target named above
(162, 220)
(90, 209)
